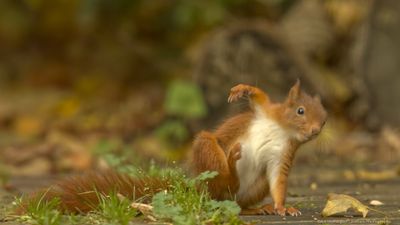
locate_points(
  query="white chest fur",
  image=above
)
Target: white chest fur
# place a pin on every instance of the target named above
(262, 150)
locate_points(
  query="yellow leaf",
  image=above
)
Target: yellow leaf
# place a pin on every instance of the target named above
(338, 203)
(28, 125)
(376, 203)
(68, 107)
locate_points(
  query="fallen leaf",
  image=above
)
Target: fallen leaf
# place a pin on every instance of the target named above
(375, 202)
(376, 175)
(314, 186)
(349, 175)
(145, 209)
(28, 125)
(338, 203)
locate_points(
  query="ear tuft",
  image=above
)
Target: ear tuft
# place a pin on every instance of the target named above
(295, 91)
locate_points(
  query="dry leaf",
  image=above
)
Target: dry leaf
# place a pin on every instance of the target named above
(146, 210)
(349, 175)
(28, 125)
(376, 175)
(338, 203)
(375, 203)
(314, 186)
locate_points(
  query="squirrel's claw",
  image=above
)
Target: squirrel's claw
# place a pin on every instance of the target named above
(282, 211)
(238, 92)
(293, 211)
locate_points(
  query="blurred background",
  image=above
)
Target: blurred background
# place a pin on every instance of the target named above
(95, 83)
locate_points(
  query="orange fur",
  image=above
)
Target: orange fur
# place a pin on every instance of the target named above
(208, 153)
(278, 193)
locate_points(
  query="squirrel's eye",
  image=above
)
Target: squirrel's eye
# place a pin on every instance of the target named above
(300, 111)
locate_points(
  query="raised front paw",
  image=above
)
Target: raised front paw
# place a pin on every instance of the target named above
(239, 91)
(282, 211)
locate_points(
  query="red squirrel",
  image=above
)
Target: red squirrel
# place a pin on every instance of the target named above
(252, 153)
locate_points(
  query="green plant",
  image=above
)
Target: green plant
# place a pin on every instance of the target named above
(188, 202)
(172, 132)
(115, 209)
(41, 211)
(185, 202)
(4, 175)
(118, 156)
(184, 99)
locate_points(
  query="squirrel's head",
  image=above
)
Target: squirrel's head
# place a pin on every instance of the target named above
(302, 114)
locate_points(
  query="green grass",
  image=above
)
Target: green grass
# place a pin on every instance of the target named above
(39, 211)
(115, 209)
(186, 202)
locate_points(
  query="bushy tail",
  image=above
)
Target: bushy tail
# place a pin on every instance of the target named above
(81, 194)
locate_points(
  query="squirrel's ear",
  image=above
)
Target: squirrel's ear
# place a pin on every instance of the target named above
(295, 91)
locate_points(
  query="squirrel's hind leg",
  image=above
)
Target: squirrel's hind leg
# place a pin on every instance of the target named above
(267, 209)
(208, 155)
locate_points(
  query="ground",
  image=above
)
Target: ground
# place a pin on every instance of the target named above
(310, 201)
